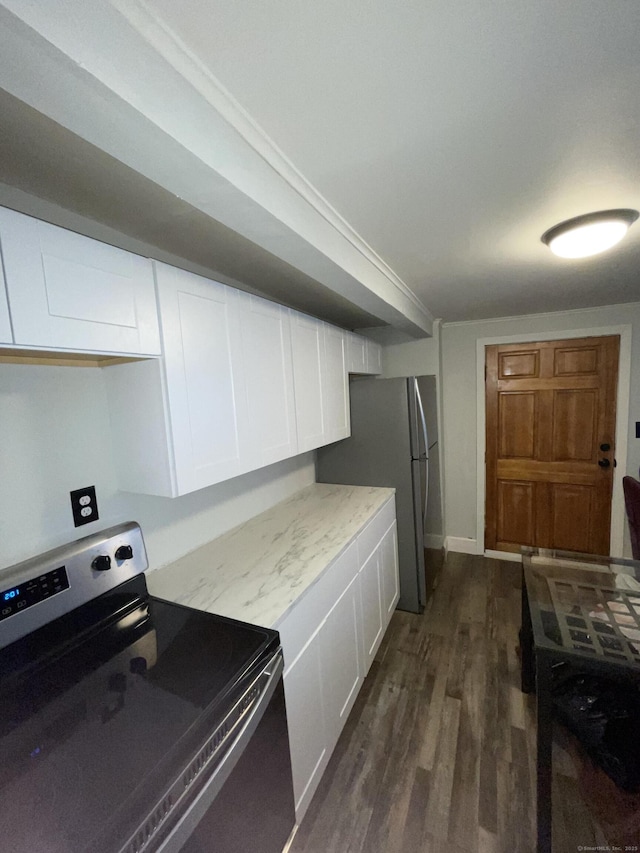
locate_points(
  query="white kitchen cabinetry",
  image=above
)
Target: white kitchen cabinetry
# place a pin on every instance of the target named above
(69, 292)
(329, 639)
(370, 596)
(363, 355)
(389, 578)
(335, 386)
(341, 661)
(305, 720)
(177, 422)
(374, 357)
(356, 353)
(6, 336)
(307, 343)
(267, 366)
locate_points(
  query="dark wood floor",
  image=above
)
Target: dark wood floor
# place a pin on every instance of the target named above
(438, 753)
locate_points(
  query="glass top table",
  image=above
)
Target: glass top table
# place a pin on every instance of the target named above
(586, 606)
(579, 608)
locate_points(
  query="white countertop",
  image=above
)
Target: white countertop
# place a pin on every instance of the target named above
(257, 571)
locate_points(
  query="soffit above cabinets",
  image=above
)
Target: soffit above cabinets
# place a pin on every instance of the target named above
(106, 80)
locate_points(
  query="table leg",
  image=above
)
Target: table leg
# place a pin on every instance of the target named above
(544, 709)
(527, 668)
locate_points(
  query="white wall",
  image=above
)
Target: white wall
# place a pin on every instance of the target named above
(460, 422)
(412, 358)
(54, 437)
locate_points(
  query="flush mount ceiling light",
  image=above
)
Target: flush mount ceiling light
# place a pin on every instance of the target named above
(589, 234)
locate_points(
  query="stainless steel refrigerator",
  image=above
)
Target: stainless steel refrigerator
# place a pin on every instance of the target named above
(389, 446)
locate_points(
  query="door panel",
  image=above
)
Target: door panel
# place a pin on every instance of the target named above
(550, 406)
(516, 517)
(570, 502)
(517, 425)
(575, 422)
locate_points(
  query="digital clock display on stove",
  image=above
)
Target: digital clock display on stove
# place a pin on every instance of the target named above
(32, 591)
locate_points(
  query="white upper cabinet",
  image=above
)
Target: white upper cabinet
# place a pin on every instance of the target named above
(363, 355)
(6, 336)
(177, 422)
(267, 366)
(307, 344)
(204, 377)
(374, 357)
(356, 353)
(67, 291)
(335, 386)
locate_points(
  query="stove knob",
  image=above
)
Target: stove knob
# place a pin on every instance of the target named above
(124, 552)
(102, 563)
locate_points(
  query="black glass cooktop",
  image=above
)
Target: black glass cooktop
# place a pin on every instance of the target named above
(100, 710)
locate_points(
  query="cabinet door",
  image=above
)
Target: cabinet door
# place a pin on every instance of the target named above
(305, 718)
(370, 600)
(307, 343)
(389, 573)
(335, 388)
(204, 382)
(270, 433)
(341, 665)
(374, 357)
(6, 336)
(67, 291)
(356, 354)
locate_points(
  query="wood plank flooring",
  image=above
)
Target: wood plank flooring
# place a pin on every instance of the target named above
(438, 753)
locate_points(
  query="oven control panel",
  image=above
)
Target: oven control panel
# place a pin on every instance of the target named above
(67, 577)
(32, 592)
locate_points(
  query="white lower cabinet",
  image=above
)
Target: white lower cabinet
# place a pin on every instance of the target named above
(389, 577)
(329, 639)
(372, 626)
(342, 674)
(305, 719)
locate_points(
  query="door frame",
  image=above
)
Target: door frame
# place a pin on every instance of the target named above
(616, 542)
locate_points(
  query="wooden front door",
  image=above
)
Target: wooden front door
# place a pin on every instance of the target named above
(550, 414)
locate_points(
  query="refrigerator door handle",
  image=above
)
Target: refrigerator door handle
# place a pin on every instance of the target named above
(426, 451)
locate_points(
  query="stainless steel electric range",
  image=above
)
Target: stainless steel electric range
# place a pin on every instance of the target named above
(129, 724)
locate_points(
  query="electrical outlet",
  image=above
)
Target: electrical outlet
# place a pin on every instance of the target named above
(84, 505)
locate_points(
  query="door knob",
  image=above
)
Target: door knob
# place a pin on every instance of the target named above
(604, 463)
(604, 447)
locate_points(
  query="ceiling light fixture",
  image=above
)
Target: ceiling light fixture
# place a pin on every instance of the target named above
(589, 234)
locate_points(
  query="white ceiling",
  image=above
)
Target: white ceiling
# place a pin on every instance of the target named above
(449, 135)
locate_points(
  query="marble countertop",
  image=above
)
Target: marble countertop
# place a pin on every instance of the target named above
(258, 570)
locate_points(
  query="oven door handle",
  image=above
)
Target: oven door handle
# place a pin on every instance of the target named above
(199, 807)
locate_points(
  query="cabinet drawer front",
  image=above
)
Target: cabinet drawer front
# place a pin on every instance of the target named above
(309, 612)
(369, 538)
(68, 291)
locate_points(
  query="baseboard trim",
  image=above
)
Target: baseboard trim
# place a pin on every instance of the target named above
(432, 540)
(512, 556)
(461, 545)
